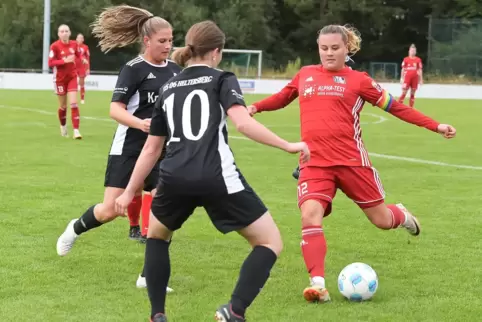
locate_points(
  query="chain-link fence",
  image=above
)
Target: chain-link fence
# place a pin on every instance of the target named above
(455, 48)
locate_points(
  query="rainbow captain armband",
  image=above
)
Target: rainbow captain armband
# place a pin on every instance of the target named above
(385, 101)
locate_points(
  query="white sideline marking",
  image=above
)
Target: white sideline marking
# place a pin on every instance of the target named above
(377, 155)
(395, 157)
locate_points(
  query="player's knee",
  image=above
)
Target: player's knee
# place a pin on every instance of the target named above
(275, 243)
(106, 212)
(312, 212)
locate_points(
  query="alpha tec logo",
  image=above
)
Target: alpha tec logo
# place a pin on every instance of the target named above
(152, 97)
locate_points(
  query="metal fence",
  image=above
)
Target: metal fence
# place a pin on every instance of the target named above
(455, 48)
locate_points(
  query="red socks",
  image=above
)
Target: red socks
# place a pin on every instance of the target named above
(62, 112)
(134, 211)
(82, 92)
(146, 211)
(412, 100)
(398, 217)
(313, 247)
(74, 110)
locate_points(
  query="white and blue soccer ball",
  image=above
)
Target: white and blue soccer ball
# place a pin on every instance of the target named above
(358, 282)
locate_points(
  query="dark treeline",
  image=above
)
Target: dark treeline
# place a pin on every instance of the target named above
(283, 29)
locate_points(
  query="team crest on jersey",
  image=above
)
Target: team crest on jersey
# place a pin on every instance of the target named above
(376, 86)
(339, 79)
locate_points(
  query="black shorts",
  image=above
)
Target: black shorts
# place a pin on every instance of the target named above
(228, 212)
(119, 171)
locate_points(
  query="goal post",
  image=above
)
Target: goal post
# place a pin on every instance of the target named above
(242, 62)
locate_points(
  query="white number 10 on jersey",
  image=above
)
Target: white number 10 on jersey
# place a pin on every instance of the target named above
(186, 125)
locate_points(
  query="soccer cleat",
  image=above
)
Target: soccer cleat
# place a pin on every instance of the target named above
(316, 294)
(411, 223)
(225, 314)
(77, 135)
(134, 232)
(141, 283)
(82, 102)
(296, 173)
(143, 239)
(63, 131)
(67, 239)
(159, 317)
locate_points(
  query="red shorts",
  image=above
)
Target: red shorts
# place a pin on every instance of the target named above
(360, 184)
(410, 81)
(66, 85)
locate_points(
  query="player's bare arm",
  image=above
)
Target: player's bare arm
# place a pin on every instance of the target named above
(118, 112)
(150, 154)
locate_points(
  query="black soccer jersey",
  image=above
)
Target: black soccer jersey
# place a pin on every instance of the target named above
(191, 113)
(138, 87)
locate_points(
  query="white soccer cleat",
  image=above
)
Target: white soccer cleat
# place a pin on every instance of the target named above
(67, 239)
(411, 223)
(141, 283)
(63, 131)
(77, 135)
(82, 102)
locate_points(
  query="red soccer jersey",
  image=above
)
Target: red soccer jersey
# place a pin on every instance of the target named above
(84, 54)
(58, 51)
(411, 65)
(330, 107)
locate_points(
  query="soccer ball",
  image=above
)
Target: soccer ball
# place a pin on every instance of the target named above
(358, 282)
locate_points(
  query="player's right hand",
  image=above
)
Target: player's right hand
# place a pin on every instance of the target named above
(448, 131)
(69, 59)
(299, 147)
(252, 110)
(122, 202)
(145, 125)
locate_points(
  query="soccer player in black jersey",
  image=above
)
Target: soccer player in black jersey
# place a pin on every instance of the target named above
(132, 104)
(199, 170)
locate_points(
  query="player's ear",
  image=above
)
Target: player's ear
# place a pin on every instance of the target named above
(146, 41)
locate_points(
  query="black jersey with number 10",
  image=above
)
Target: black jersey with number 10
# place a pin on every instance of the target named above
(191, 112)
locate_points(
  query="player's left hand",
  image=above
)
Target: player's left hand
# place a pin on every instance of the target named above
(448, 131)
(122, 202)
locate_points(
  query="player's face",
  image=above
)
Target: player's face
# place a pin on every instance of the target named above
(64, 33)
(80, 39)
(332, 51)
(159, 45)
(412, 51)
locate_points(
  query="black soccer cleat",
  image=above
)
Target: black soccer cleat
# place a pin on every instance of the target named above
(296, 173)
(159, 317)
(143, 239)
(135, 233)
(225, 314)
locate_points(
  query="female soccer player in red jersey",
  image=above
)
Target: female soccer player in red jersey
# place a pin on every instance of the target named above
(62, 56)
(83, 69)
(331, 97)
(411, 75)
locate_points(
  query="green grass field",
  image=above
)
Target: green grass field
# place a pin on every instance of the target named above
(47, 180)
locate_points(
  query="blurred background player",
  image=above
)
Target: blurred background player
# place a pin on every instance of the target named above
(62, 56)
(199, 170)
(331, 98)
(83, 69)
(132, 104)
(411, 76)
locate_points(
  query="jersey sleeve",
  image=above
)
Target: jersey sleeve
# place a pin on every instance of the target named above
(126, 85)
(158, 121)
(230, 91)
(420, 66)
(54, 59)
(78, 52)
(281, 99)
(403, 63)
(372, 92)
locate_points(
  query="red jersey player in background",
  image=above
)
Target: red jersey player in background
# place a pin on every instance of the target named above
(62, 57)
(331, 97)
(83, 69)
(411, 75)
